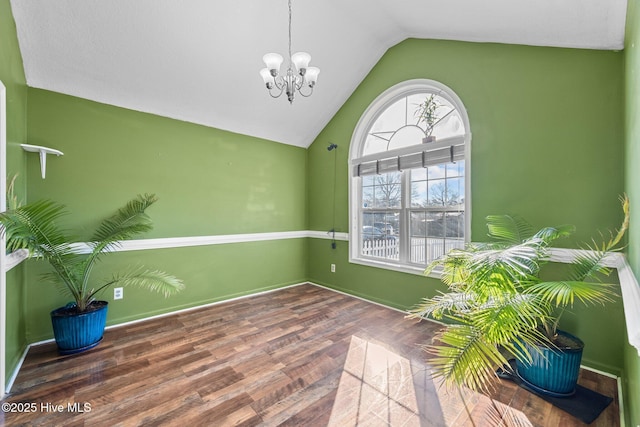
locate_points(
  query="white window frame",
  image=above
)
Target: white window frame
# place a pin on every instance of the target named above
(3, 256)
(379, 105)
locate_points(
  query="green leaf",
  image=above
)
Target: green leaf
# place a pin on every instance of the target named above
(509, 229)
(564, 293)
(465, 358)
(440, 304)
(152, 280)
(127, 222)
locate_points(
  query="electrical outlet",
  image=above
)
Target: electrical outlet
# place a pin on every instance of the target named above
(333, 268)
(118, 293)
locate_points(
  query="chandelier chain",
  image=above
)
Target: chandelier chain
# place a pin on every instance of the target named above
(289, 28)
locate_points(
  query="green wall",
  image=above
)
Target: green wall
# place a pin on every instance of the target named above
(209, 182)
(12, 76)
(632, 160)
(211, 273)
(547, 144)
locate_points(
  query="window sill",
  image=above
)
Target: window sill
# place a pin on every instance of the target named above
(418, 271)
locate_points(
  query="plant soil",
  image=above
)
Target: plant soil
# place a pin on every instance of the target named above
(72, 310)
(564, 342)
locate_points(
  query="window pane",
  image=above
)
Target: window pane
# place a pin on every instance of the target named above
(419, 194)
(449, 125)
(418, 236)
(380, 239)
(387, 190)
(437, 193)
(455, 225)
(436, 116)
(455, 169)
(367, 221)
(455, 191)
(367, 197)
(435, 233)
(435, 224)
(383, 129)
(406, 137)
(437, 171)
(376, 143)
(418, 174)
(367, 180)
(413, 104)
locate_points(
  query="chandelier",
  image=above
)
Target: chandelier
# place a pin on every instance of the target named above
(298, 77)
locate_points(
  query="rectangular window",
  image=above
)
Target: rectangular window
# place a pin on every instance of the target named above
(437, 211)
(381, 208)
(432, 209)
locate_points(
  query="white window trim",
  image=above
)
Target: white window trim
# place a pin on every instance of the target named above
(381, 103)
(3, 257)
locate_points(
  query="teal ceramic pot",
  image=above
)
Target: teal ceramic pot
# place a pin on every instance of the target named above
(554, 371)
(75, 333)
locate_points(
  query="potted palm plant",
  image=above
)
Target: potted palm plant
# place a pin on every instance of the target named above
(502, 309)
(79, 326)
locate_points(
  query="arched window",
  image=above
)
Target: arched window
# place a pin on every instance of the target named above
(409, 166)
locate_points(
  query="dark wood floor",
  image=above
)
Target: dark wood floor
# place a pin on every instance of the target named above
(301, 356)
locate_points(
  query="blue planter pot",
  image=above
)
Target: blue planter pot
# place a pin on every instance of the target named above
(554, 371)
(75, 333)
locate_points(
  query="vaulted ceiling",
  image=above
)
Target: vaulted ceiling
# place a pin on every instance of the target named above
(198, 60)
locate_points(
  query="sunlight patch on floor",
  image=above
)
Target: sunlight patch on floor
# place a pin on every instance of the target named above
(378, 387)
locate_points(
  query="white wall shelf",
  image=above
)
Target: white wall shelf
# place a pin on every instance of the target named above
(43, 155)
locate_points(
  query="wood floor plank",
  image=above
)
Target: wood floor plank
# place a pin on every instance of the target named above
(308, 357)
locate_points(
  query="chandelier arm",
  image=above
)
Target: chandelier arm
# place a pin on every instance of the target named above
(278, 91)
(308, 94)
(280, 83)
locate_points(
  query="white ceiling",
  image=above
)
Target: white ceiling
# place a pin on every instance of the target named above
(198, 60)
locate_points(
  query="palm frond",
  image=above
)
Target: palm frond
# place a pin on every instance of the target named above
(516, 262)
(127, 222)
(34, 225)
(509, 229)
(587, 266)
(152, 280)
(513, 230)
(564, 293)
(453, 266)
(550, 234)
(624, 200)
(501, 320)
(62, 285)
(12, 199)
(465, 358)
(438, 305)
